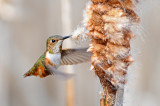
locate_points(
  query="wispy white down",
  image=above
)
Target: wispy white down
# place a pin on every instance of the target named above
(79, 35)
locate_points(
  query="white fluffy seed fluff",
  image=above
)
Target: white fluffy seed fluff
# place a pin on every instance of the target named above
(79, 35)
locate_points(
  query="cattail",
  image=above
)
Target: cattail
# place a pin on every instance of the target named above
(109, 25)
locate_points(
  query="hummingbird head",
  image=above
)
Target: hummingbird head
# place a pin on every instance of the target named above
(54, 43)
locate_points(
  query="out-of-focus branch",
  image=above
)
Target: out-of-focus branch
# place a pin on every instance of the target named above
(7, 10)
(66, 27)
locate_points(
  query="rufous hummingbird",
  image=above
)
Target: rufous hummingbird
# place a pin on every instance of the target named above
(54, 56)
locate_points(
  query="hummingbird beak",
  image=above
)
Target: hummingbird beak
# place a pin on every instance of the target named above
(66, 37)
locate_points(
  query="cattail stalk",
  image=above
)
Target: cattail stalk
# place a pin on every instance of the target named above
(102, 100)
(109, 25)
(66, 26)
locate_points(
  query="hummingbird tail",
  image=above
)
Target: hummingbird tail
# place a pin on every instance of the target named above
(27, 74)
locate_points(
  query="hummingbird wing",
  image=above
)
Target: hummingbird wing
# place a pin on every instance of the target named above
(75, 56)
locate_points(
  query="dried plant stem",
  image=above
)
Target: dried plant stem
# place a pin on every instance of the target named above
(66, 26)
(102, 100)
(70, 92)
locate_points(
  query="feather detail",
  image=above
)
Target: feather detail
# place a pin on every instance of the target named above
(75, 56)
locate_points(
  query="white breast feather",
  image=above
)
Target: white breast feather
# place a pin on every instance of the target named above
(54, 58)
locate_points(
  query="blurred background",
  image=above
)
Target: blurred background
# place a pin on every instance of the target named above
(26, 24)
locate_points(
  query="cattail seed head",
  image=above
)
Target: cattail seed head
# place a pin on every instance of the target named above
(109, 25)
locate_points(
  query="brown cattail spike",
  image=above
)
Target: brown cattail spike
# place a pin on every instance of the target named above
(109, 25)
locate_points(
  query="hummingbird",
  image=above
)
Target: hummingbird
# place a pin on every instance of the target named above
(55, 56)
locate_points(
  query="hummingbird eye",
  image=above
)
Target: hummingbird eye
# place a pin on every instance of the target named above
(53, 40)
